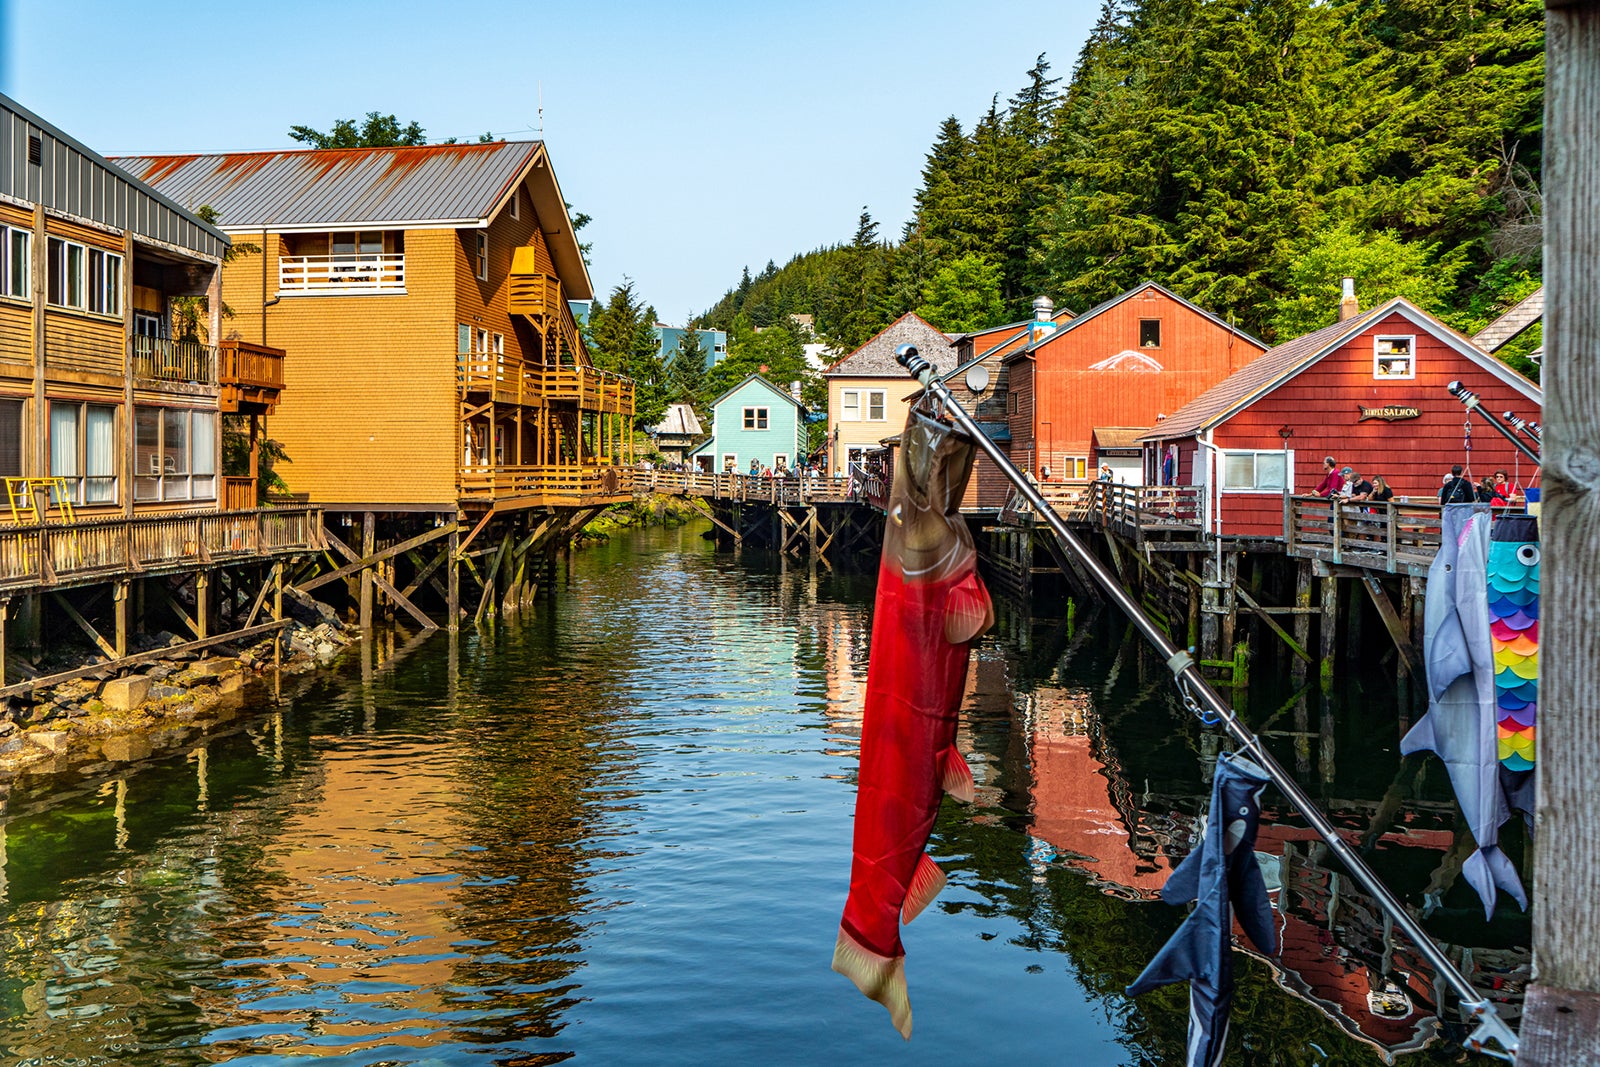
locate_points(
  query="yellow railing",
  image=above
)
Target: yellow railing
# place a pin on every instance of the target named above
(554, 485)
(166, 360)
(536, 384)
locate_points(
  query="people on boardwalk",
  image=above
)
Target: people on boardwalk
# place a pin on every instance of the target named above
(1355, 487)
(1456, 489)
(1507, 487)
(1332, 480)
(1488, 493)
(1105, 472)
(755, 468)
(1380, 489)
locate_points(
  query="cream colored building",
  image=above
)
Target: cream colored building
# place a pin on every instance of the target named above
(867, 389)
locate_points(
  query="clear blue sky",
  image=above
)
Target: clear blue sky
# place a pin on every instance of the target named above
(701, 136)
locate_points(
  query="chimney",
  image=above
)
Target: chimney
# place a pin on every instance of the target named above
(1043, 318)
(794, 390)
(1349, 306)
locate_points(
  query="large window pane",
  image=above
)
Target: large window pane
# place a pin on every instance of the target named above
(203, 448)
(147, 454)
(75, 276)
(10, 438)
(17, 273)
(55, 269)
(100, 455)
(175, 443)
(64, 440)
(1270, 470)
(1239, 471)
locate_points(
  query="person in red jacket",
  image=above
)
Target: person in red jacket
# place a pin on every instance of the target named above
(1332, 480)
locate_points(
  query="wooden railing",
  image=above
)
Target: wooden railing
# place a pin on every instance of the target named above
(1146, 508)
(782, 491)
(1382, 535)
(242, 363)
(43, 554)
(342, 275)
(555, 486)
(165, 360)
(535, 384)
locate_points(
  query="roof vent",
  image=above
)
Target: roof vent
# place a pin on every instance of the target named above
(1349, 306)
(1043, 308)
(35, 150)
(1044, 323)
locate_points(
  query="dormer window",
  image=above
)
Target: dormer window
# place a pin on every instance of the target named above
(1149, 333)
(1394, 357)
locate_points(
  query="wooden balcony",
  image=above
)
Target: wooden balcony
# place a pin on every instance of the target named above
(54, 555)
(251, 377)
(161, 359)
(1397, 538)
(510, 381)
(349, 274)
(546, 486)
(539, 298)
(1171, 511)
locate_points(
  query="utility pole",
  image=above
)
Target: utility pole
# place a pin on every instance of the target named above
(1561, 1021)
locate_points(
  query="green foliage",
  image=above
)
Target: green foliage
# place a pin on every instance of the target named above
(375, 131)
(236, 456)
(1243, 153)
(192, 314)
(687, 371)
(964, 295)
(622, 338)
(1383, 266)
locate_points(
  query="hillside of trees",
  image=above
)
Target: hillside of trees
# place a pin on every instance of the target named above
(1246, 154)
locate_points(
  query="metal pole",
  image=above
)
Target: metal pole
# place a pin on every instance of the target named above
(1473, 403)
(1200, 698)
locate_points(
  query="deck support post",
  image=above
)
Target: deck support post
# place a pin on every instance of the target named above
(202, 605)
(277, 616)
(1302, 619)
(1328, 632)
(5, 613)
(119, 595)
(453, 581)
(368, 535)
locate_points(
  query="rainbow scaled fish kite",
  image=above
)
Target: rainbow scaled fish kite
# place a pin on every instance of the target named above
(1514, 634)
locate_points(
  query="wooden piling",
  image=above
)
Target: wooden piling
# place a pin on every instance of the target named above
(1328, 632)
(368, 538)
(1302, 619)
(453, 581)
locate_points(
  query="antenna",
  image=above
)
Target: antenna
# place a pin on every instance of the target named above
(541, 111)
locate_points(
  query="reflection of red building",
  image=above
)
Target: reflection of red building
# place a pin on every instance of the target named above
(1073, 806)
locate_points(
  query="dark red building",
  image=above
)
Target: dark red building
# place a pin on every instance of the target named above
(1369, 391)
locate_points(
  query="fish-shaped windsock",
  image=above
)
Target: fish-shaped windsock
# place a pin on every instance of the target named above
(1224, 879)
(930, 606)
(1514, 636)
(1460, 726)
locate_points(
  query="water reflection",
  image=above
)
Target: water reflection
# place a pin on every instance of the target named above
(619, 832)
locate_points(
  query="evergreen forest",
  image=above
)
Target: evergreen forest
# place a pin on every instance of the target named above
(1246, 154)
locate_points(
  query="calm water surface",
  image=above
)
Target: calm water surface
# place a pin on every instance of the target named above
(619, 831)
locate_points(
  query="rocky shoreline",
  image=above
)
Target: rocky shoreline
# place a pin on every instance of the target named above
(92, 724)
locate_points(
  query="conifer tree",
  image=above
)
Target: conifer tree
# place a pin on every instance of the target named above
(688, 368)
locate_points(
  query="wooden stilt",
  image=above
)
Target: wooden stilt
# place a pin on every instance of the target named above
(120, 598)
(1302, 620)
(368, 533)
(1328, 632)
(202, 605)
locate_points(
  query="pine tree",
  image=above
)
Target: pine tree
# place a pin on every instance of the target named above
(622, 339)
(688, 369)
(964, 295)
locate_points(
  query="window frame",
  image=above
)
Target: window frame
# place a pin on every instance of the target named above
(1255, 454)
(8, 278)
(481, 256)
(850, 401)
(199, 486)
(78, 479)
(107, 289)
(877, 400)
(757, 418)
(780, 459)
(1149, 322)
(516, 204)
(730, 463)
(1378, 357)
(60, 274)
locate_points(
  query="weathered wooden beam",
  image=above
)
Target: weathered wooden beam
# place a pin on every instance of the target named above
(383, 583)
(83, 624)
(1272, 624)
(1561, 1023)
(267, 586)
(177, 608)
(488, 585)
(1392, 623)
(367, 561)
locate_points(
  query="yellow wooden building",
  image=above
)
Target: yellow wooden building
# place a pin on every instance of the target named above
(423, 292)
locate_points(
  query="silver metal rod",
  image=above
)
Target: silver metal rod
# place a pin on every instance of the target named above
(1473, 403)
(1199, 695)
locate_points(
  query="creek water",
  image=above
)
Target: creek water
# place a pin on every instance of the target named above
(618, 832)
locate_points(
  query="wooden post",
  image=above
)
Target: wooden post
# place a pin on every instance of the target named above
(277, 616)
(1561, 1024)
(202, 605)
(1302, 619)
(5, 611)
(453, 580)
(368, 535)
(119, 596)
(1328, 632)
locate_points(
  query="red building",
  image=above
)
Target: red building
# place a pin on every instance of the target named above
(1368, 391)
(1125, 363)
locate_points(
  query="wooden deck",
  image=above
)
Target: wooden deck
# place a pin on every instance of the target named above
(60, 555)
(510, 381)
(1386, 536)
(787, 492)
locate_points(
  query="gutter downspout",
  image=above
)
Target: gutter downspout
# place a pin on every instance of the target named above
(265, 303)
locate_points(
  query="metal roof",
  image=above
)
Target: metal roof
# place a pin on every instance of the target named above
(460, 183)
(416, 187)
(70, 179)
(1061, 330)
(681, 420)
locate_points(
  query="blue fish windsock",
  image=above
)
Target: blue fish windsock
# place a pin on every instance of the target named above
(1514, 636)
(1222, 876)
(1458, 648)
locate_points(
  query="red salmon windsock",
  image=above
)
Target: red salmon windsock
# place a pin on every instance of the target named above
(930, 606)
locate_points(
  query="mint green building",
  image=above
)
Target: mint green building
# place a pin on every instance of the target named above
(753, 421)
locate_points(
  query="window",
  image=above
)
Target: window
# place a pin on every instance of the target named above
(780, 459)
(65, 263)
(16, 275)
(1392, 357)
(83, 450)
(149, 324)
(1149, 333)
(482, 241)
(499, 344)
(1075, 467)
(174, 454)
(858, 404)
(365, 244)
(463, 338)
(755, 418)
(516, 203)
(10, 438)
(1260, 472)
(105, 282)
(730, 462)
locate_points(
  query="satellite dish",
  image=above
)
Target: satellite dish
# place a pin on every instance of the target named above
(978, 378)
